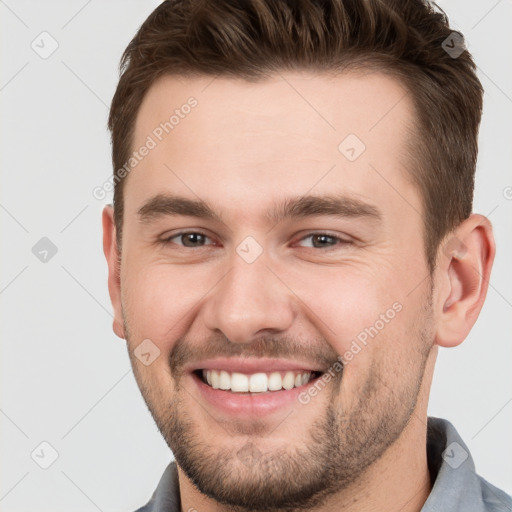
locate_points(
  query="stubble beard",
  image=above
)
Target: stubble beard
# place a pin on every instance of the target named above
(339, 448)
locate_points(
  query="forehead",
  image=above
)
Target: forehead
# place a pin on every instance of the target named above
(235, 141)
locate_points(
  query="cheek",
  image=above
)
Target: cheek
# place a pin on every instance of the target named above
(346, 300)
(360, 312)
(159, 299)
(343, 303)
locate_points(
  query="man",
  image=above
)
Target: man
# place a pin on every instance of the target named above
(290, 243)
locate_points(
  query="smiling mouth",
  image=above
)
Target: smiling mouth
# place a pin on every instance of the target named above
(235, 382)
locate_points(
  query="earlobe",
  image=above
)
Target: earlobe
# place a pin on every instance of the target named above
(110, 250)
(464, 269)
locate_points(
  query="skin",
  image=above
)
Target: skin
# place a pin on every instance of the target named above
(360, 443)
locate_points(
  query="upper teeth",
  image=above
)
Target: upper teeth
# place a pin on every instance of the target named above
(255, 383)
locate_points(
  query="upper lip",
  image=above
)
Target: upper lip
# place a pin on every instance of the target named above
(252, 365)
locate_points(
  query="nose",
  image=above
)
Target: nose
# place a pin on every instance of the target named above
(250, 301)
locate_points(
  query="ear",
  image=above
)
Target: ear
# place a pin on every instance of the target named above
(111, 252)
(464, 267)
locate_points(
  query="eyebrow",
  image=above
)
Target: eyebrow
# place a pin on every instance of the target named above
(164, 205)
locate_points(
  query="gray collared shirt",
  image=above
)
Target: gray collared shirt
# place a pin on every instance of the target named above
(456, 486)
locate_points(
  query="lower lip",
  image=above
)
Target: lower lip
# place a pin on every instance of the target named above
(250, 404)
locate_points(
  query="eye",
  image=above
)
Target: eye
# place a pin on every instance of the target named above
(196, 239)
(190, 239)
(324, 240)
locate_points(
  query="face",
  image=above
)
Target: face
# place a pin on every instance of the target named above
(272, 228)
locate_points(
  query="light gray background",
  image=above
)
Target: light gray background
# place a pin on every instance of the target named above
(65, 377)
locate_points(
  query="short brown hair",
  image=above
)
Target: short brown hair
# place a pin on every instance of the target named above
(252, 39)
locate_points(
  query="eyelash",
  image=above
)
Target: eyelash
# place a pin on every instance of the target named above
(167, 241)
